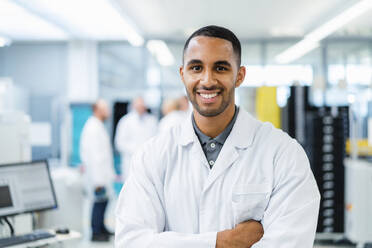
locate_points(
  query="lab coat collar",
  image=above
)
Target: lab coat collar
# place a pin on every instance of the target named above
(241, 136)
(97, 121)
(137, 115)
(187, 132)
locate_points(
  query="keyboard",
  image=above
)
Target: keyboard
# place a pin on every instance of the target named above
(25, 238)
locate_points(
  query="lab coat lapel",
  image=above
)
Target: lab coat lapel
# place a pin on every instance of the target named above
(199, 156)
(188, 136)
(241, 137)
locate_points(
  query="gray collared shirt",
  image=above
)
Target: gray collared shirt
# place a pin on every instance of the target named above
(212, 147)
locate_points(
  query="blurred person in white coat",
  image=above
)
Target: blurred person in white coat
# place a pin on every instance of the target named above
(172, 116)
(132, 131)
(169, 105)
(222, 179)
(175, 112)
(96, 155)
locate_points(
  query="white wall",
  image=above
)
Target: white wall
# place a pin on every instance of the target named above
(39, 67)
(41, 70)
(82, 71)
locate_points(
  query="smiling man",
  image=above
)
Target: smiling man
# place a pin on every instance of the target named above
(222, 179)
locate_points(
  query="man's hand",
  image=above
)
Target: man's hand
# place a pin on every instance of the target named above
(244, 235)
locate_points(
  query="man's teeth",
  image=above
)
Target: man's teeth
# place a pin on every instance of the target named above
(208, 95)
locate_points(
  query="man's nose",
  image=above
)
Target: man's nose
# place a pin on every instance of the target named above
(207, 78)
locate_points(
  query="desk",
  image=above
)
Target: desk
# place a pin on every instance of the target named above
(59, 238)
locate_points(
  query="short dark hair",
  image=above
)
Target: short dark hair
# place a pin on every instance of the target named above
(217, 32)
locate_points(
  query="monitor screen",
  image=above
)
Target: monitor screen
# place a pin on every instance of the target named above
(26, 187)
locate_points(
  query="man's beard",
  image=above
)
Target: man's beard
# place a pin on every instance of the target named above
(211, 112)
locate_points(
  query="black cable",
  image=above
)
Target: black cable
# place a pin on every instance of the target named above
(10, 226)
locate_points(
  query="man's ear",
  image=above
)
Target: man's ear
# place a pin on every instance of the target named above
(181, 74)
(240, 77)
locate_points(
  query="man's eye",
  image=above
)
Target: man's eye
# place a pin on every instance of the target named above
(196, 68)
(221, 68)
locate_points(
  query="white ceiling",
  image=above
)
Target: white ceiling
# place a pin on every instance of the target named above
(175, 19)
(64, 20)
(361, 26)
(19, 24)
(171, 19)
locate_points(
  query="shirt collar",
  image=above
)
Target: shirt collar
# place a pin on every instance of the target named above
(241, 136)
(221, 138)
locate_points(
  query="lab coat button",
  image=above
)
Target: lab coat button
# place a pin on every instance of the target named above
(211, 162)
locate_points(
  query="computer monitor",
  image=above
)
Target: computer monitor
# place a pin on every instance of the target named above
(26, 187)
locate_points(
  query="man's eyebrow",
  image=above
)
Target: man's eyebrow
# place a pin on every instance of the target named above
(223, 62)
(194, 61)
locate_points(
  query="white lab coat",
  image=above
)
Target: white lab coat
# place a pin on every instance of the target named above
(172, 119)
(174, 200)
(132, 131)
(96, 153)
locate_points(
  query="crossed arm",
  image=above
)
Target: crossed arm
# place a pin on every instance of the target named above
(244, 235)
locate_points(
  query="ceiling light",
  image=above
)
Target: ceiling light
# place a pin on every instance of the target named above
(98, 19)
(296, 51)
(161, 51)
(312, 39)
(19, 24)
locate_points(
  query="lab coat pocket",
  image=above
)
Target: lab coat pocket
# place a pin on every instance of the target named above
(249, 201)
